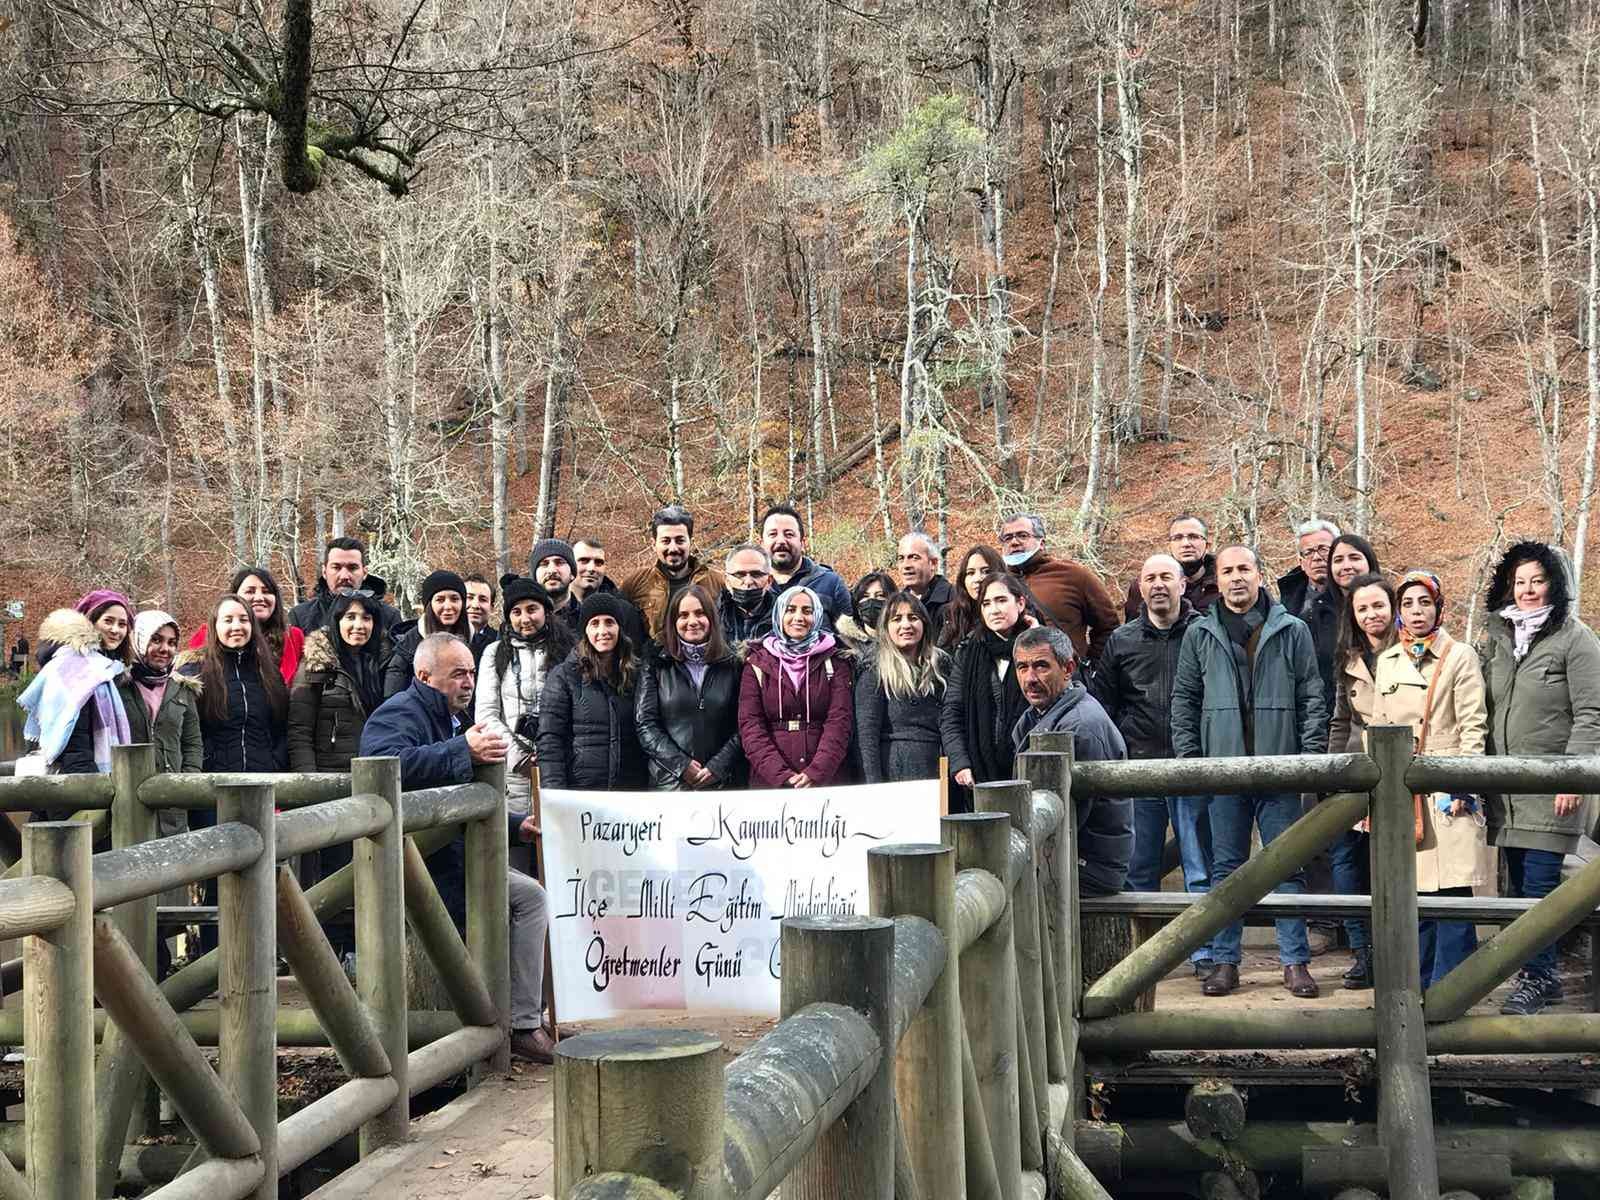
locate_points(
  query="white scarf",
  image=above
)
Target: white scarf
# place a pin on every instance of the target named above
(1525, 626)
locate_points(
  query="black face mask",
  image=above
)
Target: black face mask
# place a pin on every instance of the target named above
(870, 610)
(747, 597)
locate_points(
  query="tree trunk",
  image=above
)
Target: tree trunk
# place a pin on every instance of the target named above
(880, 478)
(1580, 537)
(1097, 307)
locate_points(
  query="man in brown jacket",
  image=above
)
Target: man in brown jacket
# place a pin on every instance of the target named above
(1072, 597)
(675, 568)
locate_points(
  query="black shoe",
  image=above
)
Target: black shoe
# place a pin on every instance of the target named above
(1221, 981)
(1203, 968)
(1359, 977)
(1531, 995)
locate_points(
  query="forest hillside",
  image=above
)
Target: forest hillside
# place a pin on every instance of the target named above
(454, 276)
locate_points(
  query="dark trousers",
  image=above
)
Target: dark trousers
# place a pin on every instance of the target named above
(1445, 943)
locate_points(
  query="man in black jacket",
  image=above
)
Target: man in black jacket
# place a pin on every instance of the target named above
(423, 726)
(344, 566)
(916, 564)
(1133, 683)
(1045, 661)
(1188, 541)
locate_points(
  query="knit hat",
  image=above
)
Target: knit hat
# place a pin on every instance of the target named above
(551, 548)
(442, 581)
(600, 604)
(145, 626)
(92, 604)
(514, 589)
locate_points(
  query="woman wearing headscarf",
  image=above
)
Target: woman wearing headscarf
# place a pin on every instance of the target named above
(900, 696)
(1542, 668)
(1433, 683)
(444, 610)
(1366, 630)
(261, 592)
(588, 738)
(795, 701)
(961, 615)
(688, 700)
(75, 713)
(983, 700)
(340, 684)
(511, 680)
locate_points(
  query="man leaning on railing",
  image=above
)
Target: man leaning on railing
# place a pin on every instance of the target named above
(423, 727)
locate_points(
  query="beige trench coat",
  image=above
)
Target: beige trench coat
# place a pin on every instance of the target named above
(1454, 850)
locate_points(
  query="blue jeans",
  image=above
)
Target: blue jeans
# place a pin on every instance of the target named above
(1231, 821)
(1535, 874)
(1192, 828)
(1350, 858)
(1445, 943)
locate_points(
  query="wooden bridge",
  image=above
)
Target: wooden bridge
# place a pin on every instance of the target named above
(951, 1044)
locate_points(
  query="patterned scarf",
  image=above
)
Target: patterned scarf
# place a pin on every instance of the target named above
(1417, 646)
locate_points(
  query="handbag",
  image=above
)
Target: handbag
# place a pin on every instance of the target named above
(1419, 830)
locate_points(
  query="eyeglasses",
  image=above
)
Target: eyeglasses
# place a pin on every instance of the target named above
(1025, 535)
(1315, 552)
(354, 593)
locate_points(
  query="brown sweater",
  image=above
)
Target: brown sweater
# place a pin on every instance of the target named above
(1074, 600)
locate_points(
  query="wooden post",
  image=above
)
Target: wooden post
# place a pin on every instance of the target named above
(641, 1102)
(1015, 799)
(58, 1007)
(1048, 766)
(1214, 1108)
(247, 915)
(920, 881)
(381, 942)
(988, 1001)
(846, 960)
(121, 1083)
(488, 910)
(1405, 1105)
(983, 1177)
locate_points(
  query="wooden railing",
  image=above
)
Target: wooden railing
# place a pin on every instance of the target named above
(89, 928)
(935, 1048)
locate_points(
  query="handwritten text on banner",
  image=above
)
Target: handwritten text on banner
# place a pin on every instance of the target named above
(672, 900)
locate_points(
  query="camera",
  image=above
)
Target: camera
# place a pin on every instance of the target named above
(527, 728)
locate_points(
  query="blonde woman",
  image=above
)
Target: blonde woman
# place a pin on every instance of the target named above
(900, 695)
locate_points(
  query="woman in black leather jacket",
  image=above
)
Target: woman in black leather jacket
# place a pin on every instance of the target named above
(687, 708)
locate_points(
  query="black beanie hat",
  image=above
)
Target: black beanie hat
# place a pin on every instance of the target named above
(551, 548)
(600, 604)
(442, 581)
(514, 589)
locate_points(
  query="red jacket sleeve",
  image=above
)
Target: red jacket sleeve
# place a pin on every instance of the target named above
(835, 743)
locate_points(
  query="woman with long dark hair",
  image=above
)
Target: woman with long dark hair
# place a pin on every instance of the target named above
(339, 684)
(444, 610)
(512, 676)
(1542, 667)
(900, 696)
(983, 700)
(795, 701)
(244, 706)
(857, 629)
(961, 615)
(588, 738)
(1366, 630)
(75, 712)
(688, 700)
(257, 587)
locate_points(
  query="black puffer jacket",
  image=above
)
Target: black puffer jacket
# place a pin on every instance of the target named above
(326, 714)
(1323, 611)
(250, 738)
(678, 721)
(400, 669)
(587, 736)
(312, 615)
(899, 738)
(1133, 682)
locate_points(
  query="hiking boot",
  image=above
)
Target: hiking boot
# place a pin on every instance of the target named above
(1531, 995)
(1359, 977)
(1299, 982)
(1222, 980)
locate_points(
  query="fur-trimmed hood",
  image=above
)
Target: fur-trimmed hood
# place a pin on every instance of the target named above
(1557, 568)
(66, 628)
(320, 654)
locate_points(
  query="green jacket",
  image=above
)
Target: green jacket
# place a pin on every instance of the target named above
(176, 735)
(1287, 702)
(1549, 703)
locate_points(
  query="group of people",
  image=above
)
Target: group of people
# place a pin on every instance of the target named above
(772, 672)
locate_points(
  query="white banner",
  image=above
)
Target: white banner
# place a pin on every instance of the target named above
(672, 900)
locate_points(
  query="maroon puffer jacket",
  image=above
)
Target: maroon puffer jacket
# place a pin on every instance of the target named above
(785, 730)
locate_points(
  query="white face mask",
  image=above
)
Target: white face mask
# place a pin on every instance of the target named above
(1020, 557)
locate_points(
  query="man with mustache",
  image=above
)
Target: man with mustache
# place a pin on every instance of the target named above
(675, 568)
(1045, 663)
(1133, 682)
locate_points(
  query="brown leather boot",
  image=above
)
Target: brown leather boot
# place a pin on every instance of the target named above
(533, 1045)
(1221, 981)
(1299, 982)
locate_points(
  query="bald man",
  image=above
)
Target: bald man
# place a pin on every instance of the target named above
(1134, 686)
